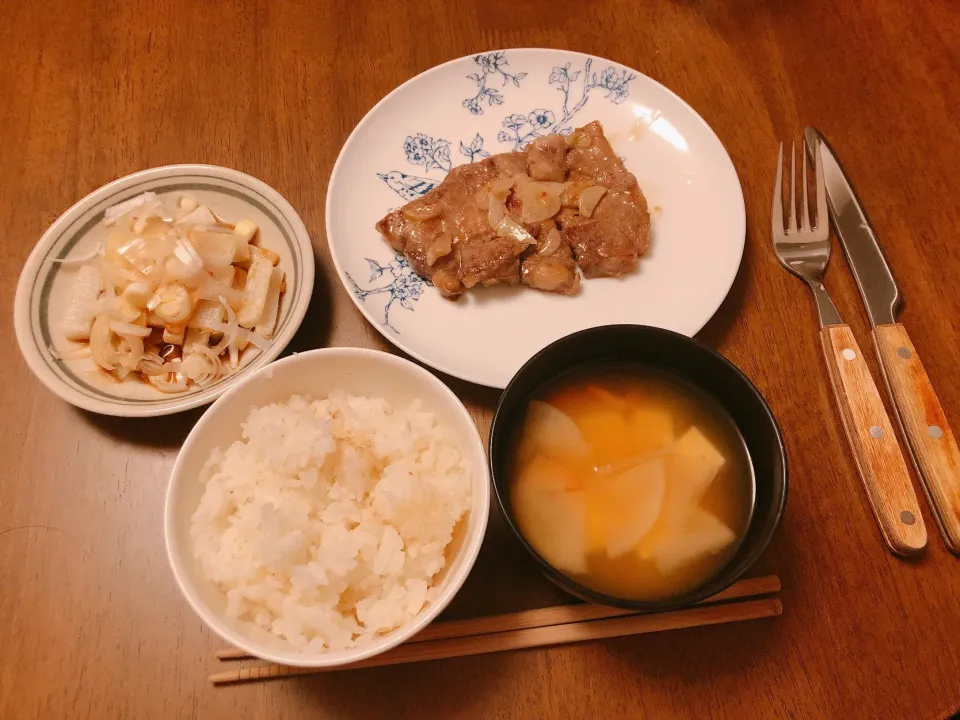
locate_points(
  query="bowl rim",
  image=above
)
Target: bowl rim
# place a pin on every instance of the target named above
(469, 551)
(720, 580)
(30, 275)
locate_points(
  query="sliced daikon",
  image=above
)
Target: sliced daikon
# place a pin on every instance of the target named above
(651, 428)
(552, 433)
(553, 522)
(226, 276)
(576, 400)
(241, 251)
(603, 398)
(271, 308)
(542, 473)
(216, 249)
(200, 215)
(208, 315)
(691, 466)
(693, 444)
(622, 508)
(78, 317)
(701, 534)
(115, 212)
(243, 233)
(256, 288)
(607, 434)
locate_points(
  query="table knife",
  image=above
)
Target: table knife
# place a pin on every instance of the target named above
(932, 443)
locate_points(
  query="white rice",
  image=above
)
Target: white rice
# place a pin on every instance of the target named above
(327, 523)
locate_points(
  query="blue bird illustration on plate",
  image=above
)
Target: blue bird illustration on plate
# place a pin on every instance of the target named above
(409, 187)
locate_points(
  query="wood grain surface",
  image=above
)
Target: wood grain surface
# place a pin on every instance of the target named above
(91, 623)
(882, 465)
(930, 437)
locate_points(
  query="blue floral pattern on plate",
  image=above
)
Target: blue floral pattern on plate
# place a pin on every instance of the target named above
(424, 150)
(405, 285)
(474, 151)
(491, 65)
(537, 121)
(520, 130)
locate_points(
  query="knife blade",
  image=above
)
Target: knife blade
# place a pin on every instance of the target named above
(932, 443)
(870, 268)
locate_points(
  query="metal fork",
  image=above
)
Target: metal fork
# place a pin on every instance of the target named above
(805, 252)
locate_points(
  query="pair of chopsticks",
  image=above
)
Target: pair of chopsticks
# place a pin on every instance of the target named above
(542, 627)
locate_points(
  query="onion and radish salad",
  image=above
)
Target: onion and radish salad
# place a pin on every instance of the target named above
(174, 296)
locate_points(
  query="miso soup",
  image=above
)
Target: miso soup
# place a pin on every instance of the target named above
(631, 481)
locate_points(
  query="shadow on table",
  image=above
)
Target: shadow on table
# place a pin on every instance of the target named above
(317, 324)
(699, 653)
(471, 394)
(715, 331)
(164, 432)
(170, 431)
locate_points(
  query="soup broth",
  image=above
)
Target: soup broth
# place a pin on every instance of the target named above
(631, 481)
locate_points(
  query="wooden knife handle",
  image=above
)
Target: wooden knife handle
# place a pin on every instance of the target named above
(870, 434)
(932, 442)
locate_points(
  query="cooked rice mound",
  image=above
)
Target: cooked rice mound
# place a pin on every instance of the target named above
(327, 523)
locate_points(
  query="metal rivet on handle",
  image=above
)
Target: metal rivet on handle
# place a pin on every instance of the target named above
(848, 354)
(936, 432)
(876, 431)
(904, 353)
(907, 517)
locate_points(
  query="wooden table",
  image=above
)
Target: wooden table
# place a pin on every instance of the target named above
(91, 623)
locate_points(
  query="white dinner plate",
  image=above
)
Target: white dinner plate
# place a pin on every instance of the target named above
(497, 102)
(44, 286)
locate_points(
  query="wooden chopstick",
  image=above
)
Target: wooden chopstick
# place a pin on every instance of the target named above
(557, 615)
(566, 633)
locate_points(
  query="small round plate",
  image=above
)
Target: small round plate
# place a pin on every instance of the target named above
(44, 285)
(497, 102)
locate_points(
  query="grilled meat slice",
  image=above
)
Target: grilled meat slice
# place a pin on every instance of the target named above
(447, 237)
(611, 241)
(550, 266)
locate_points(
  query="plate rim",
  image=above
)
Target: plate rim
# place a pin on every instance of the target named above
(441, 367)
(30, 275)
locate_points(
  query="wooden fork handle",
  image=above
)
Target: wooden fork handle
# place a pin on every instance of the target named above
(932, 442)
(882, 467)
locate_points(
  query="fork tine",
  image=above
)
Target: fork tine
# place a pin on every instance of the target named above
(776, 213)
(823, 222)
(805, 208)
(793, 188)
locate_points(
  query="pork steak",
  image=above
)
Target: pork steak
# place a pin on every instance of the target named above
(524, 217)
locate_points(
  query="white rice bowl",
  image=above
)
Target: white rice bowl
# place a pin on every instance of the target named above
(249, 544)
(327, 522)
